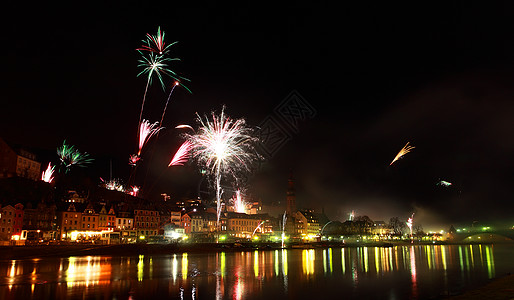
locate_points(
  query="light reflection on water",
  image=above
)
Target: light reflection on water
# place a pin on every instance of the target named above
(416, 271)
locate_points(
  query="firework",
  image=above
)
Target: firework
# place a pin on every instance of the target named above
(155, 43)
(153, 64)
(134, 159)
(134, 190)
(113, 185)
(48, 174)
(406, 149)
(258, 226)
(239, 203)
(70, 156)
(184, 126)
(146, 131)
(444, 183)
(182, 155)
(409, 223)
(284, 220)
(222, 146)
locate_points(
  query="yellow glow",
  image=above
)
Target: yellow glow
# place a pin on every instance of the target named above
(330, 260)
(308, 257)
(256, 263)
(222, 264)
(174, 264)
(140, 268)
(443, 256)
(276, 263)
(325, 261)
(184, 266)
(490, 261)
(377, 259)
(87, 271)
(343, 261)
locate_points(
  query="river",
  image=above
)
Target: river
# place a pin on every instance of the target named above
(399, 272)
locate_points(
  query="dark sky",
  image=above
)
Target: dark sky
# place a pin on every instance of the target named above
(439, 76)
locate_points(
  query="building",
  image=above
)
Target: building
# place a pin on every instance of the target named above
(42, 218)
(146, 222)
(290, 197)
(308, 224)
(124, 221)
(242, 225)
(381, 229)
(175, 216)
(68, 220)
(185, 222)
(18, 162)
(90, 219)
(11, 221)
(106, 219)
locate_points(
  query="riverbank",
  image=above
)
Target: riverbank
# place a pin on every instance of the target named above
(42, 251)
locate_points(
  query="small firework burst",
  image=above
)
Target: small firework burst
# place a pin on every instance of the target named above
(155, 43)
(69, 156)
(406, 149)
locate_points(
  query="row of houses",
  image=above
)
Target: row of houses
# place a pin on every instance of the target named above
(89, 222)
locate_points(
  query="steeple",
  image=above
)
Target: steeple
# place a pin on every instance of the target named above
(290, 195)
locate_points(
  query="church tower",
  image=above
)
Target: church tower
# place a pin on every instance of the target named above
(290, 196)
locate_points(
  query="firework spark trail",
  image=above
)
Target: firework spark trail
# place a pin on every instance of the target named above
(70, 156)
(146, 131)
(182, 155)
(223, 146)
(184, 126)
(167, 101)
(48, 174)
(154, 64)
(239, 203)
(406, 149)
(258, 226)
(444, 183)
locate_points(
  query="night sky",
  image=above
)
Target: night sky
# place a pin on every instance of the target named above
(376, 76)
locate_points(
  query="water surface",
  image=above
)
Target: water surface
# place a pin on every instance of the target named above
(402, 272)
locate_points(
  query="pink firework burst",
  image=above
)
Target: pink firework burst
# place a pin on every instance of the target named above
(182, 155)
(48, 174)
(146, 131)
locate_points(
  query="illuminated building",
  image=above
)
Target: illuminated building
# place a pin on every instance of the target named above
(146, 222)
(307, 224)
(106, 219)
(11, 220)
(124, 220)
(18, 162)
(68, 220)
(175, 217)
(242, 225)
(90, 219)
